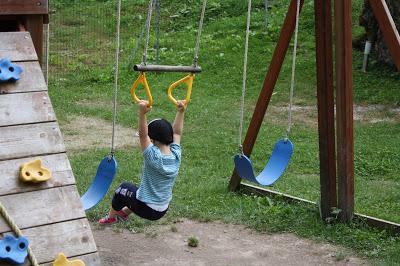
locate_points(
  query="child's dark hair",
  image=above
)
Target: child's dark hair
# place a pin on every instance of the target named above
(161, 130)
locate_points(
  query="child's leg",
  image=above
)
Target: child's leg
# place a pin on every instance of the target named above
(124, 199)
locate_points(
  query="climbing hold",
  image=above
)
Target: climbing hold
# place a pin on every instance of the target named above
(61, 260)
(9, 71)
(13, 249)
(33, 171)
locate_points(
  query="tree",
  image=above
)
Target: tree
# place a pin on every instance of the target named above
(374, 34)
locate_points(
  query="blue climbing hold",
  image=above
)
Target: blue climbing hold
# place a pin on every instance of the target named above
(13, 249)
(9, 71)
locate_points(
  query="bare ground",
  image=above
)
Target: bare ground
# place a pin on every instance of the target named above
(219, 244)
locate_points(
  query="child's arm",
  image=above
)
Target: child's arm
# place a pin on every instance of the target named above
(143, 130)
(178, 123)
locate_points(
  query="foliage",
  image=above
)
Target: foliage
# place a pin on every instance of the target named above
(82, 60)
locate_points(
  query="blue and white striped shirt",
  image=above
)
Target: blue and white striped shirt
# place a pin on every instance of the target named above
(158, 176)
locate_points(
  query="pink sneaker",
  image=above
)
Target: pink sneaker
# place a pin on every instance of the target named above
(108, 220)
(119, 217)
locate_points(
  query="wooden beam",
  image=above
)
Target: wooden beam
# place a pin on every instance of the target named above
(57, 163)
(326, 105)
(17, 46)
(34, 24)
(268, 86)
(388, 28)
(31, 79)
(25, 108)
(73, 238)
(344, 108)
(30, 140)
(391, 227)
(22, 7)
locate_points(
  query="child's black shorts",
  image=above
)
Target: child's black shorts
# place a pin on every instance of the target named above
(125, 196)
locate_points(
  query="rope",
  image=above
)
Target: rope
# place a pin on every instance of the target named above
(148, 21)
(246, 49)
(114, 115)
(158, 14)
(197, 47)
(292, 83)
(266, 13)
(18, 232)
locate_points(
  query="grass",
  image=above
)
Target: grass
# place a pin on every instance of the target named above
(82, 70)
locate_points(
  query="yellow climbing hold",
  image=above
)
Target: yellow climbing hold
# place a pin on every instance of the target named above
(33, 171)
(61, 260)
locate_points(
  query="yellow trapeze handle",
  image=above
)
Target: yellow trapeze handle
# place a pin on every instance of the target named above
(189, 81)
(141, 80)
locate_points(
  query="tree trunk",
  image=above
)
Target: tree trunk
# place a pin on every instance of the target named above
(374, 34)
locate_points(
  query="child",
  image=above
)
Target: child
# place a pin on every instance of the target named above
(160, 144)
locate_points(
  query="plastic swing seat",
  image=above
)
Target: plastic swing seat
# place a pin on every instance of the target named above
(101, 183)
(275, 167)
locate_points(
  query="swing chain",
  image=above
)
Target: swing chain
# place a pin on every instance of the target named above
(148, 23)
(197, 47)
(293, 81)
(114, 114)
(246, 48)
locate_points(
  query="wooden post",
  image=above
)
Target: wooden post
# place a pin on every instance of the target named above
(268, 86)
(326, 117)
(29, 15)
(344, 108)
(388, 28)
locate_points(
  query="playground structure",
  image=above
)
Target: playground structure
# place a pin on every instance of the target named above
(333, 154)
(49, 214)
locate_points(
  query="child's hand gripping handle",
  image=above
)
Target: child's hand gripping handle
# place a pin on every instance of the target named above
(189, 82)
(141, 80)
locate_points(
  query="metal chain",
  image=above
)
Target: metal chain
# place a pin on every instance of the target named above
(158, 15)
(292, 82)
(117, 40)
(197, 47)
(18, 232)
(266, 13)
(246, 49)
(148, 22)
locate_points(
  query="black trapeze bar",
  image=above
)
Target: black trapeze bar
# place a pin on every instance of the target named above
(164, 68)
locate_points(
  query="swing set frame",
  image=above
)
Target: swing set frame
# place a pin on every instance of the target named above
(336, 145)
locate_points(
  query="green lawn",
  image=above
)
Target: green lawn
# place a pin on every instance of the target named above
(81, 61)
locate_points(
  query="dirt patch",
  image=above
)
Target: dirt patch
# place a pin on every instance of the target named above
(219, 244)
(308, 115)
(82, 133)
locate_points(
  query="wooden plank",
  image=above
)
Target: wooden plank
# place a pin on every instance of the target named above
(31, 80)
(20, 7)
(388, 28)
(58, 164)
(344, 108)
(17, 46)
(25, 108)
(268, 86)
(73, 238)
(92, 259)
(30, 140)
(34, 24)
(391, 227)
(326, 106)
(42, 207)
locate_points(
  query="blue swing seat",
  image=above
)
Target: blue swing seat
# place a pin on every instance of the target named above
(101, 183)
(275, 167)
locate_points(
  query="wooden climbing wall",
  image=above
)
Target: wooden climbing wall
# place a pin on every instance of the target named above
(49, 214)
